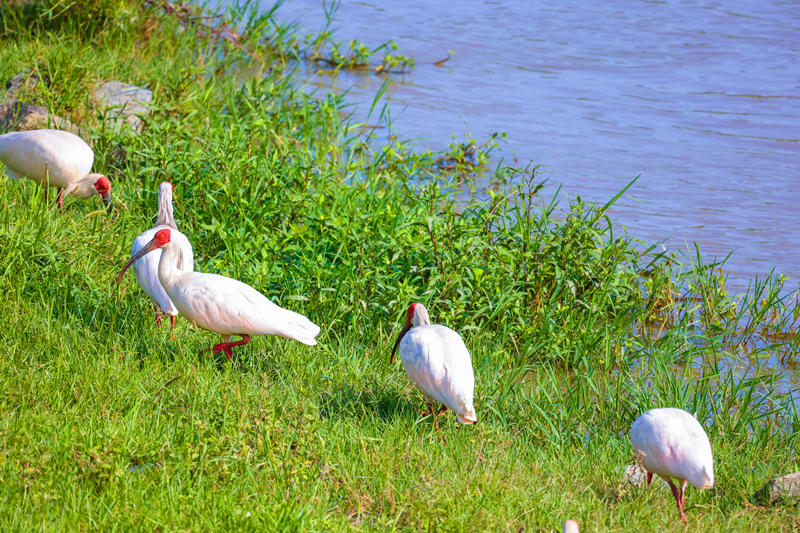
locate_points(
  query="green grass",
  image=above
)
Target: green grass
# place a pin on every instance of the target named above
(105, 423)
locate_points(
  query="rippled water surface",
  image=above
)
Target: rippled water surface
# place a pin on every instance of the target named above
(700, 99)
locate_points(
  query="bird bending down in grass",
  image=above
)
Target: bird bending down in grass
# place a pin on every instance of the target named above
(56, 158)
(145, 270)
(437, 363)
(671, 443)
(220, 304)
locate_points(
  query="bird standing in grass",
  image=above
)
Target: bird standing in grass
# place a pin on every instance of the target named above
(56, 158)
(145, 269)
(671, 443)
(220, 304)
(437, 363)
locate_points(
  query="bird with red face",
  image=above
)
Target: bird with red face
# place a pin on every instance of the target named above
(221, 304)
(438, 364)
(54, 158)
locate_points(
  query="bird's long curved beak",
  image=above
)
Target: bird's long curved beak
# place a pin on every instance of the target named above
(109, 203)
(406, 327)
(147, 248)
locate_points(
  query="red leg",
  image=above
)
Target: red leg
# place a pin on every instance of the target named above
(436, 422)
(158, 318)
(227, 347)
(649, 478)
(60, 200)
(678, 498)
(172, 322)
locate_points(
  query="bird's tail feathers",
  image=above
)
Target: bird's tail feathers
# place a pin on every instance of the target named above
(299, 328)
(467, 416)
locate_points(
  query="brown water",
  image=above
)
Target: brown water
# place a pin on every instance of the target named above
(702, 99)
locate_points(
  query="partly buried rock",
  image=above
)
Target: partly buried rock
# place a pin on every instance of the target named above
(780, 490)
(26, 79)
(122, 104)
(20, 116)
(17, 115)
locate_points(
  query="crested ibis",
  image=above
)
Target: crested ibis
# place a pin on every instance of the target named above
(145, 270)
(437, 363)
(671, 443)
(221, 304)
(56, 158)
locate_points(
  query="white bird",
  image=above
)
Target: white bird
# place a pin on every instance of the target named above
(671, 443)
(570, 526)
(56, 158)
(145, 270)
(437, 363)
(220, 304)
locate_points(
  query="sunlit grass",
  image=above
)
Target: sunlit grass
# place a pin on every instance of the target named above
(104, 420)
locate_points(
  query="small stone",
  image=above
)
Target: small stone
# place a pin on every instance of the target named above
(780, 490)
(123, 104)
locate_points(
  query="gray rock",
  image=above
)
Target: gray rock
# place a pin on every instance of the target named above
(122, 104)
(19, 116)
(780, 490)
(26, 79)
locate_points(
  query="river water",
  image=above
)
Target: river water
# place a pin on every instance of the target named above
(701, 99)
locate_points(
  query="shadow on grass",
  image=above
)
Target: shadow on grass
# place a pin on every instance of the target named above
(370, 399)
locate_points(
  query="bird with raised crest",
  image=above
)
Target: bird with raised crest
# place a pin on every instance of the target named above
(145, 269)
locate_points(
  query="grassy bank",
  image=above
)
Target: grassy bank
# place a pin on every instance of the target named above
(105, 422)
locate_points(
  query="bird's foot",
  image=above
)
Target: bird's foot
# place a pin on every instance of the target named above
(227, 347)
(158, 319)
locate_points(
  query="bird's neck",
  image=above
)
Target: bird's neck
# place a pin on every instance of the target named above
(166, 216)
(84, 188)
(168, 265)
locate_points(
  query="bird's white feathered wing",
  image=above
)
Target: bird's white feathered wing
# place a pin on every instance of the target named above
(439, 365)
(230, 307)
(672, 443)
(60, 156)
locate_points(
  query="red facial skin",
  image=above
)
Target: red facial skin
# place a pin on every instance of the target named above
(159, 239)
(102, 186)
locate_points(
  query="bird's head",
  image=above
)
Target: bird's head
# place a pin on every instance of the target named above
(103, 188)
(416, 315)
(161, 238)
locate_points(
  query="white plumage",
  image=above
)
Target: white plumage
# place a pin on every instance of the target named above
(223, 305)
(57, 157)
(145, 269)
(671, 443)
(438, 363)
(570, 526)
